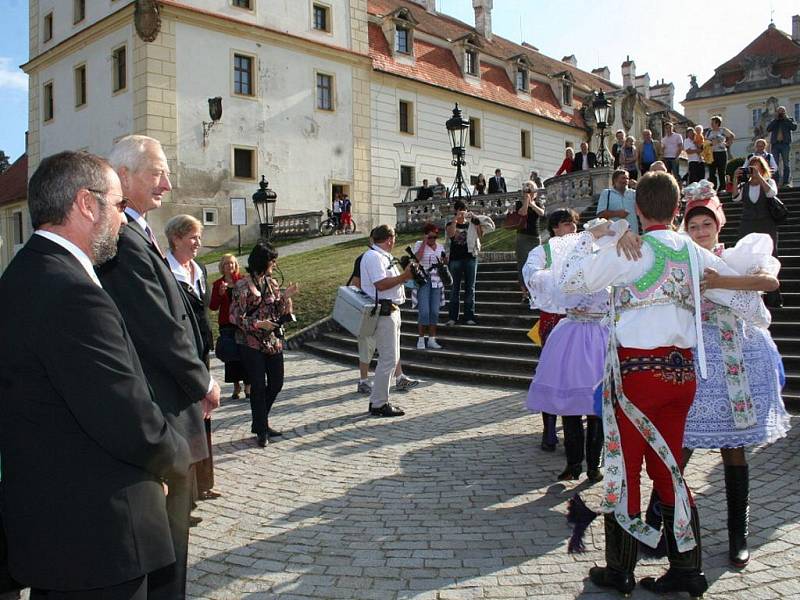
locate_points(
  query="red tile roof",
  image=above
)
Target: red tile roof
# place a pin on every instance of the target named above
(14, 182)
(772, 43)
(436, 65)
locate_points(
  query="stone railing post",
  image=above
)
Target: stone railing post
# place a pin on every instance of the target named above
(577, 190)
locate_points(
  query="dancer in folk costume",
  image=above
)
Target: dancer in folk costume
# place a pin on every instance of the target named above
(739, 404)
(545, 296)
(571, 364)
(649, 381)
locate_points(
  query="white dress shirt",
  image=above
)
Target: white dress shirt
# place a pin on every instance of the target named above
(85, 261)
(377, 265)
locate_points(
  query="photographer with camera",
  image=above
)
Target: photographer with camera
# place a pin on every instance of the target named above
(382, 280)
(259, 309)
(780, 130)
(429, 254)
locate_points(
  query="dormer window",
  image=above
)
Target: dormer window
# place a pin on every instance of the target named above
(522, 79)
(402, 40)
(566, 93)
(471, 62)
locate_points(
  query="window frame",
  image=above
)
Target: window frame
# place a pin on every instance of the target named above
(526, 147)
(331, 92)
(210, 210)
(250, 8)
(471, 60)
(566, 93)
(17, 226)
(76, 4)
(407, 34)
(77, 83)
(47, 27)
(797, 112)
(409, 116)
(525, 79)
(475, 133)
(409, 170)
(252, 74)
(116, 88)
(756, 114)
(328, 10)
(253, 162)
(48, 101)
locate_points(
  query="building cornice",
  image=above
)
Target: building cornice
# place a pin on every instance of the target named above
(722, 98)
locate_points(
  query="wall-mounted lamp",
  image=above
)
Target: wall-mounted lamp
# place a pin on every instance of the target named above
(215, 112)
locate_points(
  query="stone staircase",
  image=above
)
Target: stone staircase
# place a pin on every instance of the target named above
(498, 351)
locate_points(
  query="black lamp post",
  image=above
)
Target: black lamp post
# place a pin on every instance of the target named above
(264, 201)
(600, 106)
(457, 127)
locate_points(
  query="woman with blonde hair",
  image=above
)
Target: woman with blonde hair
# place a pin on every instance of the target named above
(221, 292)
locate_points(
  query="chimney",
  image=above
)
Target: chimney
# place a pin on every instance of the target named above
(663, 92)
(570, 60)
(642, 85)
(603, 73)
(628, 73)
(529, 46)
(430, 5)
(796, 28)
(483, 17)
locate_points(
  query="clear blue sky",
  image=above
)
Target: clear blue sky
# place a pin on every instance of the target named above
(668, 40)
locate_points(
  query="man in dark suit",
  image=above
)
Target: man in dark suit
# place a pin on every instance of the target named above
(85, 449)
(584, 160)
(497, 184)
(164, 331)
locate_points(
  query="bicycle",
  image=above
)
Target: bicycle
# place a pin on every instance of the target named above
(332, 224)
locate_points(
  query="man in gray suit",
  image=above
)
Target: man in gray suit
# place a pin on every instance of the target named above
(164, 331)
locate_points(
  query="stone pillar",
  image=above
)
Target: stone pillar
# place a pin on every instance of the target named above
(361, 195)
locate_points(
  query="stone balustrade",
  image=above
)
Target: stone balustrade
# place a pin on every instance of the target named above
(304, 224)
(411, 216)
(577, 190)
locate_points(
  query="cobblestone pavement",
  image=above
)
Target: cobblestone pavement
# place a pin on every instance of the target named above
(452, 501)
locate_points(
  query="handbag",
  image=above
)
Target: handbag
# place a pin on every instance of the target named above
(226, 349)
(778, 210)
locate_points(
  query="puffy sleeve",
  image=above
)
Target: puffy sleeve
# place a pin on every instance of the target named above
(538, 279)
(752, 254)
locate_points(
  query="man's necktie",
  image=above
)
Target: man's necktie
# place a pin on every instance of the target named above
(149, 233)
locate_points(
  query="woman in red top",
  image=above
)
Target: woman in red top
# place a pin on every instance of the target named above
(566, 166)
(221, 301)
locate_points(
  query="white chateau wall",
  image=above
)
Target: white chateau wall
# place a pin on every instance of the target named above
(106, 115)
(428, 148)
(63, 26)
(300, 149)
(292, 16)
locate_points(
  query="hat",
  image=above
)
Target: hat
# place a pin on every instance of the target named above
(701, 194)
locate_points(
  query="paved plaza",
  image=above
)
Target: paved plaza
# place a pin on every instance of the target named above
(454, 500)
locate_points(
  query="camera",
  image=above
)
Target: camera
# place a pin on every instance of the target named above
(745, 171)
(417, 270)
(280, 331)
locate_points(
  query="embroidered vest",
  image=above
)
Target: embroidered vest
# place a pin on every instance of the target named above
(667, 282)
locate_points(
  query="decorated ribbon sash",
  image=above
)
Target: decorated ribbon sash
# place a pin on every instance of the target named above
(742, 409)
(615, 492)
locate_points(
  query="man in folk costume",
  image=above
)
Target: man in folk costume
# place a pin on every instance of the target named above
(649, 381)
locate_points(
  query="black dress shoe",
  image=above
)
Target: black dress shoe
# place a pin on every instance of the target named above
(594, 475)
(387, 410)
(273, 432)
(194, 521)
(571, 473)
(262, 439)
(548, 447)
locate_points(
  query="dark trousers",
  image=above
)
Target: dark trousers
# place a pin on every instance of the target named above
(135, 589)
(205, 468)
(697, 170)
(169, 583)
(265, 372)
(463, 269)
(716, 170)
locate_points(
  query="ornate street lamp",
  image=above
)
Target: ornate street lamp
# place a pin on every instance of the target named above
(264, 201)
(457, 127)
(600, 106)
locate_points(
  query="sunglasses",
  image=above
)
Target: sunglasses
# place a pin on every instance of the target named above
(121, 205)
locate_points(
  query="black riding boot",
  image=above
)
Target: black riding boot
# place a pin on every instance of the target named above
(573, 447)
(621, 554)
(653, 518)
(737, 492)
(549, 437)
(594, 448)
(685, 572)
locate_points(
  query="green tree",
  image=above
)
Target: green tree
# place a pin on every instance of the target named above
(4, 162)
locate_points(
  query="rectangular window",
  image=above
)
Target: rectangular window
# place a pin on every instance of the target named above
(246, 4)
(48, 108)
(78, 11)
(80, 86)
(406, 117)
(321, 18)
(471, 62)
(324, 91)
(243, 75)
(525, 143)
(797, 111)
(244, 163)
(406, 176)
(401, 39)
(757, 112)
(522, 80)
(566, 89)
(47, 27)
(16, 225)
(210, 216)
(474, 132)
(120, 65)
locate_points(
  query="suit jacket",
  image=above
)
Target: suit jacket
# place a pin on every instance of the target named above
(578, 164)
(198, 301)
(495, 187)
(84, 447)
(164, 331)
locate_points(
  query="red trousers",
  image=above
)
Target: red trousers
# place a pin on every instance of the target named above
(547, 321)
(660, 383)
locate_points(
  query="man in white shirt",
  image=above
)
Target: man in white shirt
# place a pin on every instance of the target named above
(619, 202)
(761, 150)
(672, 146)
(381, 279)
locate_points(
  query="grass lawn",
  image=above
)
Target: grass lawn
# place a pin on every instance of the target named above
(320, 273)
